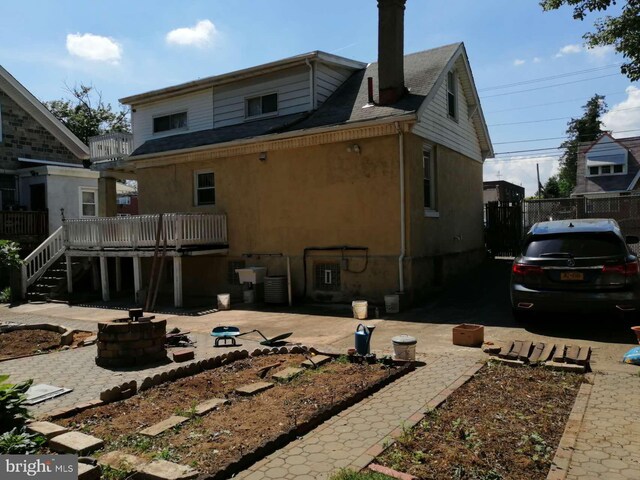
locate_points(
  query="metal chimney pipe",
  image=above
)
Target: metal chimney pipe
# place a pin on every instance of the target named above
(390, 50)
(370, 90)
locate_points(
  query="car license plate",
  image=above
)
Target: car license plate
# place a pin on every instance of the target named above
(571, 276)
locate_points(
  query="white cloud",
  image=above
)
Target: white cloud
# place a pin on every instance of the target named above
(599, 52)
(537, 60)
(94, 47)
(521, 171)
(519, 62)
(625, 115)
(201, 34)
(569, 50)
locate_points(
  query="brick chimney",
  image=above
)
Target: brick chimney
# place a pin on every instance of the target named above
(390, 50)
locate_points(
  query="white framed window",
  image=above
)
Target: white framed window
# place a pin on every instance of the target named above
(88, 202)
(452, 95)
(204, 187)
(429, 186)
(172, 121)
(261, 105)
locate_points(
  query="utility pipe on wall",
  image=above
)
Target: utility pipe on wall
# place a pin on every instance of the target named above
(402, 210)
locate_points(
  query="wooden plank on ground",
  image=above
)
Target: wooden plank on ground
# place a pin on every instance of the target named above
(515, 351)
(537, 350)
(524, 351)
(546, 352)
(584, 356)
(572, 354)
(558, 356)
(504, 351)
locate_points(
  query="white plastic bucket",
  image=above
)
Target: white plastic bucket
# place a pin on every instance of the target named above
(404, 347)
(360, 308)
(392, 303)
(224, 301)
(249, 296)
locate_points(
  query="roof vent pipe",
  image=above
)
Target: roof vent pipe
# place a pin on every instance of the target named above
(370, 90)
(390, 50)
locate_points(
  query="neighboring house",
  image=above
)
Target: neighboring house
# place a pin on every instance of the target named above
(502, 191)
(126, 200)
(364, 191)
(608, 166)
(41, 165)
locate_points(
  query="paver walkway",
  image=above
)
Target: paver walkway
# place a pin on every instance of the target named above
(343, 440)
(77, 369)
(608, 443)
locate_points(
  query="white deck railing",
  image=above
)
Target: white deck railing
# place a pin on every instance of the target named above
(139, 231)
(112, 146)
(42, 258)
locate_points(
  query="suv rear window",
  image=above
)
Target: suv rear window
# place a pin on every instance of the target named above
(576, 244)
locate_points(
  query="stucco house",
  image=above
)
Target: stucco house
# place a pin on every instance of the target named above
(41, 164)
(360, 180)
(608, 166)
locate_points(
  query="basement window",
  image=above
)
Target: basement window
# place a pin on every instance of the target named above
(452, 95)
(205, 188)
(327, 277)
(174, 121)
(261, 105)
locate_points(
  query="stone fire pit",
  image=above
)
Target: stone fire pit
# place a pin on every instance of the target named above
(131, 342)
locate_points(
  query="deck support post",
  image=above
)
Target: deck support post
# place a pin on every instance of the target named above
(137, 279)
(104, 279)
(69, 274)
(95, 275)
(118, 274)
(177, 281)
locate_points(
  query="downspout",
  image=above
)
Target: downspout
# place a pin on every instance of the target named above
(402, 209)
(312, 92)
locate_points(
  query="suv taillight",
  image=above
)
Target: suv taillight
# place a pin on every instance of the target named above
(526, 270)
(629, 269)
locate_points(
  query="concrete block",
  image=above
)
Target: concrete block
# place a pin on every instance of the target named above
(160, 427)
(46, 429)
(206, 406)
(287, 374)
(163, 470)
(122, 461)
(183, 354)
(254, 388)
(75, 442)
(88, 472)
(316, 361)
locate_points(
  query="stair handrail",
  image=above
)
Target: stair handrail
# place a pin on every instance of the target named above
(39, 261)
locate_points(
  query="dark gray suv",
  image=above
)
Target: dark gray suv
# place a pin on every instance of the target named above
(575, 266)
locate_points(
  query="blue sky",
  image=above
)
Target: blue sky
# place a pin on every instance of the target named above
(123, 48)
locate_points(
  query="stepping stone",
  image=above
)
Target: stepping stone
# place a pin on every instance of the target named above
(46, 429)
(163, 470)
(254, 388)
(75, 442)
(317, 361)
(565, 367)
(88, 472)
(161, 427)
(287, 374)
(206, 407)
(122, 461)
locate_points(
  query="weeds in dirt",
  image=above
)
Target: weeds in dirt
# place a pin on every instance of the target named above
(346, 474)
(342, 359)
(190, 413)
(165, 454)
(109, 473)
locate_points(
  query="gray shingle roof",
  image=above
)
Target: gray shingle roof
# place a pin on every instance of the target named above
(608, 183)
(422, 71)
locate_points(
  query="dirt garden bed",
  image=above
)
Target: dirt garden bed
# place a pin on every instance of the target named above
(505, 423)
(236, 434)
(23, 343)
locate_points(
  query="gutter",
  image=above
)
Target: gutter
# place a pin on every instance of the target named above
(402, 210)
(312, 90)
(276, 136)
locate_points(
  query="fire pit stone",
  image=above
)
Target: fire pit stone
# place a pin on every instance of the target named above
(127, 342)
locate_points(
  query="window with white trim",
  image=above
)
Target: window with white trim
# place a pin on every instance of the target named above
(173, 121)
(452, 95)
(429, 178)
(88, 202)
(261, 105)
(205, 188)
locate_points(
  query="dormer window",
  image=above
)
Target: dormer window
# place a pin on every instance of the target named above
(615, 164)
(262, 105)
(174, 121)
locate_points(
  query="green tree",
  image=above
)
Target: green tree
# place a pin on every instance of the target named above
(579, 130)
(622, 31)
(552, 187)
(86, 114)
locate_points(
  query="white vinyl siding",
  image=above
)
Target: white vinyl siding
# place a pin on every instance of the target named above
(328, 79)
(198, 105)
(292, 87)
(437, 126)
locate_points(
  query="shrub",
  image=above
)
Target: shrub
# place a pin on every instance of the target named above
(9, 254)
(13, 412)
(5, 295)
(19, 442)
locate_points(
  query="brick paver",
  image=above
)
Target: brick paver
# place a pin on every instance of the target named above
(343, 440)
(608, 443)
(77, 369)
